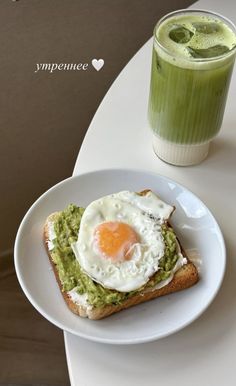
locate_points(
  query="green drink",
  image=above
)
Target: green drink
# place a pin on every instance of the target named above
(193, 58)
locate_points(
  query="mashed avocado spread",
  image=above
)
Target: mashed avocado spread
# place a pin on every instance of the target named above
(71, 275)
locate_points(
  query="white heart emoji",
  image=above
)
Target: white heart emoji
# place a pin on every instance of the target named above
(98, 64)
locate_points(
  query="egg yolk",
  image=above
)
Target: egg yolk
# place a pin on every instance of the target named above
(114, 240)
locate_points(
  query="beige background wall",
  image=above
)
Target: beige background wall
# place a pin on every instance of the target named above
(44, 116)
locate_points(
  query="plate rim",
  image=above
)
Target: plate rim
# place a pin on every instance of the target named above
(93, 338)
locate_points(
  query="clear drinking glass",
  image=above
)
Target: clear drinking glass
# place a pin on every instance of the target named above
(189, 85)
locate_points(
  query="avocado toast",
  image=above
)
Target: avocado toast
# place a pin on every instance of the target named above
(88, 298)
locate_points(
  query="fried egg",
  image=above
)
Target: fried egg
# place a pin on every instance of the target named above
(120, 242)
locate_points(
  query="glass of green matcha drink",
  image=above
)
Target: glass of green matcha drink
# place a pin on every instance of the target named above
(193, 58)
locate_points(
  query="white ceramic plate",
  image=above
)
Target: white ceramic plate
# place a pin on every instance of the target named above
(194, 225)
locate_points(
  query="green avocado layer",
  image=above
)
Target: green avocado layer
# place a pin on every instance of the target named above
(71, 275)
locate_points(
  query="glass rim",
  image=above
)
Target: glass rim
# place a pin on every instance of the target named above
(204, 11)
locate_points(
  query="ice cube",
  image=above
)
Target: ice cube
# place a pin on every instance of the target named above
(180, 34)
(210, 52)
(206, 28)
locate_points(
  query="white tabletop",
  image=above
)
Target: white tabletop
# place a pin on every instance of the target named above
(203, 353)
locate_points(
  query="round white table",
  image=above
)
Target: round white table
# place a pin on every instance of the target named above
(118, 137)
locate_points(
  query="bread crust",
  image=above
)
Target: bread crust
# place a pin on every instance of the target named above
(184, 278)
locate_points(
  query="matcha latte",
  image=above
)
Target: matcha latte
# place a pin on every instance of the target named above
(193, 58)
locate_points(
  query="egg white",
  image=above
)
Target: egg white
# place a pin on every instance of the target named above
(145, 214)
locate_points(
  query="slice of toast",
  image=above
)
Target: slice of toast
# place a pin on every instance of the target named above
(185, 277)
